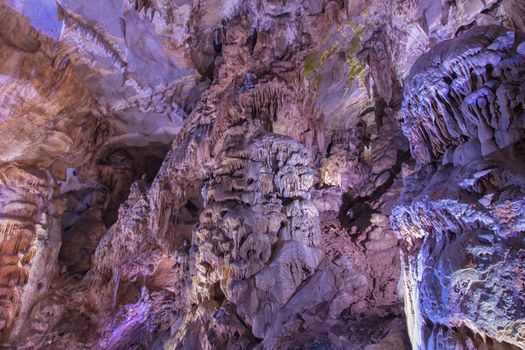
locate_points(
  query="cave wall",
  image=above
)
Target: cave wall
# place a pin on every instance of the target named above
(224, 174)
(460, 217)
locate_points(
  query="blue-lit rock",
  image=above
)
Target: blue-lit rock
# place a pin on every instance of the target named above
(461, 219)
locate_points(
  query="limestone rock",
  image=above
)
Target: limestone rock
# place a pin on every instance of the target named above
(217, 174)
(461, 227)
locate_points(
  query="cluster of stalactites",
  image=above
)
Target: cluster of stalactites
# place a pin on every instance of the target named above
(467, 90)
(94, 34)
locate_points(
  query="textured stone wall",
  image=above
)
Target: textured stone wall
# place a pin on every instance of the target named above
(222, 174)
(460, 218)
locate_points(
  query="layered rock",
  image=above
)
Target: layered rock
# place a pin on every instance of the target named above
(29, 229)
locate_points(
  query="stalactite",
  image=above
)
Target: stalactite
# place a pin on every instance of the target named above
(93, 34)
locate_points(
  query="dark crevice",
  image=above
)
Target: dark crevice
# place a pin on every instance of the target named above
(90, 212)
(329, 147)
(360, 207)
(251, 41)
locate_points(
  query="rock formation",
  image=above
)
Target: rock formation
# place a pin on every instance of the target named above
(223, 174)
(461, 215)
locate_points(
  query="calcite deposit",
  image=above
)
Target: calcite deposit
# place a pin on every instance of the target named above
(461, 221)
(259, 174)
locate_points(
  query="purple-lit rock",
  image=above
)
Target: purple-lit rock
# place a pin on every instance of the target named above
(461, 220)
(226, 174)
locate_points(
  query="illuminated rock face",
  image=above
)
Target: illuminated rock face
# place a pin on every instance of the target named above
(464, 97)
(257, 242)
(28, 229)
(461, 217)
(224, 174)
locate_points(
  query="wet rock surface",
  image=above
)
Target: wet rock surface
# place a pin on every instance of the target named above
(224, 174)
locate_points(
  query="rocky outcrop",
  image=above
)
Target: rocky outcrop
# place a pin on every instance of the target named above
(256, 243)
(464, 92)
(460, 218)
(29, 228)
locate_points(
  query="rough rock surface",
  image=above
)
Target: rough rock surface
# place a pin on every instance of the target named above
(224, 174)
(461, 218)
